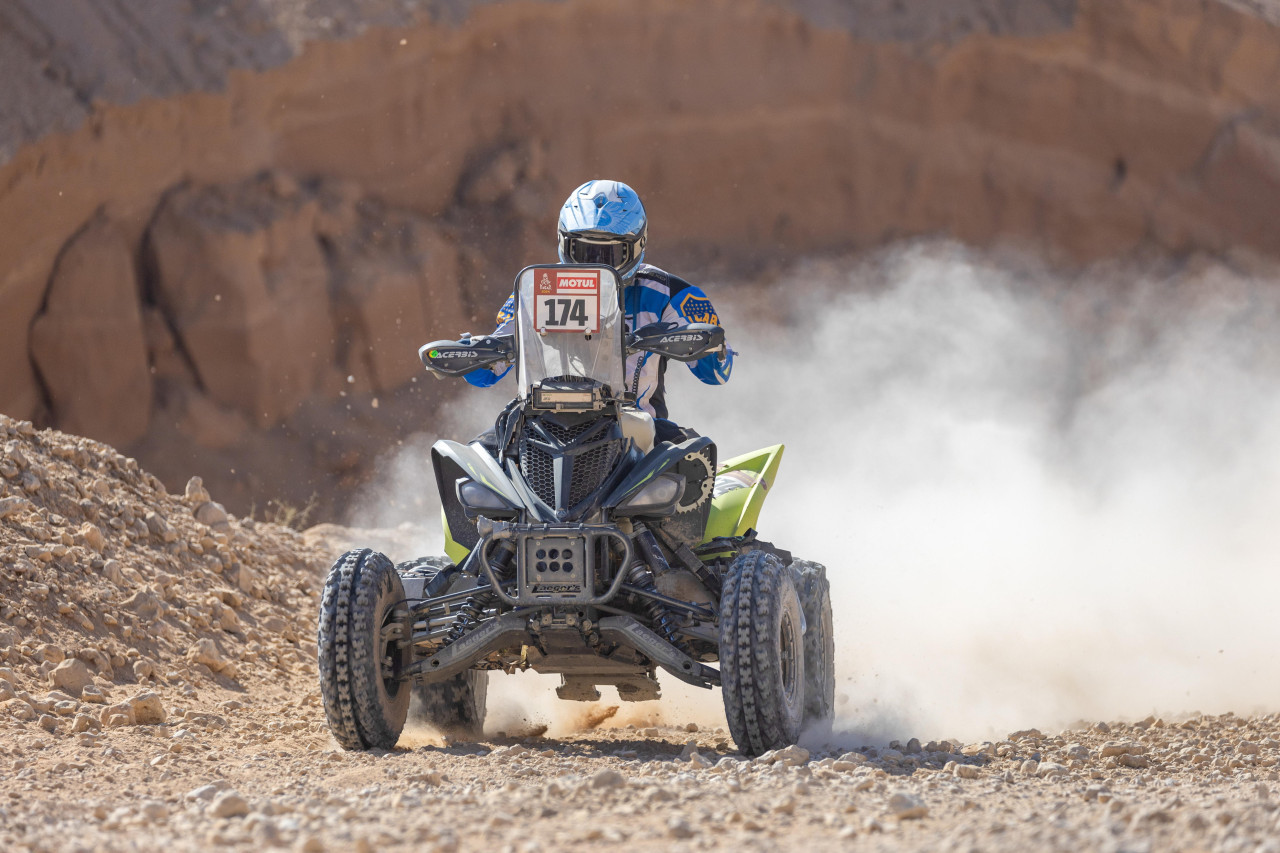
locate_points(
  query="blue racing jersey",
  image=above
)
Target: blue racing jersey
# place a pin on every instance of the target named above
(650, 296)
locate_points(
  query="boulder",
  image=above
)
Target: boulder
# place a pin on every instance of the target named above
(144, 605)
(229, 804)
(206, 652)
(246, 578)
(195, 492)
(71, 675)
(905, 805)
(49, 653)
(160, 528)
(147, 709)
(92, 536)
(114, 716)
(212, 514)
(88, 342)
(19, 709)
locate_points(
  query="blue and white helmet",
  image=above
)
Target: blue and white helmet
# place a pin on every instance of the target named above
(603, 222)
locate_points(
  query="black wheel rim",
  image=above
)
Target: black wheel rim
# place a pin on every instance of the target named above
(788, 650)
(391, 657)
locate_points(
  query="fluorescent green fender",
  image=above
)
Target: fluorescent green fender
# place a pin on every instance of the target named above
(741, 486)
(452, 549)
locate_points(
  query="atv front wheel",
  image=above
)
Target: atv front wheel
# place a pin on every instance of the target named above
(365, 703)
(819, 643)
(762, 653)
(456, 705)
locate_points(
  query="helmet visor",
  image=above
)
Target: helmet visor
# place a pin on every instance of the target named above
(585, 250)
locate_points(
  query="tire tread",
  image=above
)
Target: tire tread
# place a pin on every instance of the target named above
(751, 679)
(359, 714)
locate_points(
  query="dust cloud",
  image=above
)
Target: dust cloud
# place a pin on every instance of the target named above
(1042, 498)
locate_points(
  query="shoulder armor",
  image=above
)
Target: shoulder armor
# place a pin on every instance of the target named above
(677, 284)
(653, 274)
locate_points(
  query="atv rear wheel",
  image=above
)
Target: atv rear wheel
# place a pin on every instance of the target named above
(365, 703)
(438, 573)
(819, 642)
(762, 653)
(456, 705)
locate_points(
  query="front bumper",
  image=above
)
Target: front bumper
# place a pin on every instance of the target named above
(560, 564)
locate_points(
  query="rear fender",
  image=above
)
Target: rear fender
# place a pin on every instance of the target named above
(742, 484)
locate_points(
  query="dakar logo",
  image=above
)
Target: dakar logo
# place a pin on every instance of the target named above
(544, 284)
(698, 309)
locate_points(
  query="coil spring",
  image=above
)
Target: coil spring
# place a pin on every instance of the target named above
(469, 615)
(473, 608)
(664, 619)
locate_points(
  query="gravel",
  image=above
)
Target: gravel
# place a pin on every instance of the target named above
(199, 725)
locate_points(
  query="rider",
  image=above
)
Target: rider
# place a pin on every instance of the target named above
(603, 222)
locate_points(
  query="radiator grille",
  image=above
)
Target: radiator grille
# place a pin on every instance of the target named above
(539, 471)
(566, 435)
(590, 470)
(585, 471)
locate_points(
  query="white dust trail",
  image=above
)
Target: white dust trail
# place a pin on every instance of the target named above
(1040, 500)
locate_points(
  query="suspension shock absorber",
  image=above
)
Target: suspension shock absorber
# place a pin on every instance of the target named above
(469, 614)
(473, 608)
(640, 576)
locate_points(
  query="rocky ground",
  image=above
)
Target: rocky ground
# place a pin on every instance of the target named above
(158, 691)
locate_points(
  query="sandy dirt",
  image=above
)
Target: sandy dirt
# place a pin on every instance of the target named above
(158, 691)
(261, 771)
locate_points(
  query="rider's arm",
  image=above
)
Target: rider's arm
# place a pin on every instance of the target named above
(690, 305)
(484, 377)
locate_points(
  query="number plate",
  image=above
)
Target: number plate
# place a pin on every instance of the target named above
(567, 301)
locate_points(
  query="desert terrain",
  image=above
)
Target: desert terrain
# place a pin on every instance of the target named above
(1003, 277)
(158, 691)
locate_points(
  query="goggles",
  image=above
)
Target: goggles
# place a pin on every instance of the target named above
(614, 252)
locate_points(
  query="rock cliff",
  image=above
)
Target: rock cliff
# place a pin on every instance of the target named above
(220, 224)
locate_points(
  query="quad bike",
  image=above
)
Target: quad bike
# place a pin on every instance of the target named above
(576, 545)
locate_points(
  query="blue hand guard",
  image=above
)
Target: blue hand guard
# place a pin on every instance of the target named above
(485, 378)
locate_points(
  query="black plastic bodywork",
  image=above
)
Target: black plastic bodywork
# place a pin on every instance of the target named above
(568, 471)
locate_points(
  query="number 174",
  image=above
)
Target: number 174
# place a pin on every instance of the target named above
(574, 310)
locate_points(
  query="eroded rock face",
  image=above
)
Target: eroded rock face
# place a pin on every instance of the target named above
(279, 292)
(244, 282)
(88, 342)
(391, 276)
(410, 172)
